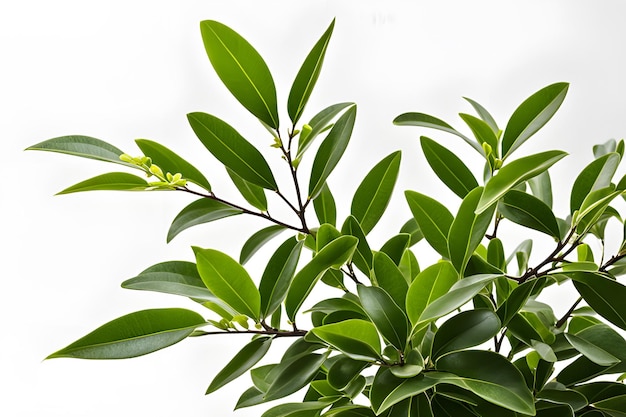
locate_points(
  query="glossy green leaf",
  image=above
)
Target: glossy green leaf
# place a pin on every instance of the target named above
(615, 407)
(201, 211)
(490, 376)
(529, 211)
(429, 285)
(388, 318)
(388, 390)
(395, 246)
(331, 151)
(357, 339)
(409, 266)
(601, 390)
(169, 161)
(484, 115)
(514, 173)
(334, 254)
(307, 76)
(483, 133)
(592, 352)
(517, 299)
(362, 257)
(466, 329)
(319, 123)
(412, 366)
(324, 206)
(245, 359)
(412, 228)
(568, 397)
(278, 275)
(433, 218)
(603, 294)
(468, 229)
(532, 115)
(604, 148)
(390, 278)
(425, 120)
(448, 167)
(242, 70)
(593, 207)
(83, 146)
(343, 371)
(134, 334)
(252, 193)
(112, 181)
(229, 281)
(495, 254)
(325, 234)
(373, 194)
(594, 176)
(303, 409)
(257, 240)
(291, 376)
(232, 150)
(541, 187)
(251, 396)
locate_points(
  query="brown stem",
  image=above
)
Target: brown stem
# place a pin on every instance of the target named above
(563, 319)
(275, 333)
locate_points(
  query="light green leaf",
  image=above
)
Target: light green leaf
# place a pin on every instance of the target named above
(409, 266)
(229, 281)
(448, 167)
(604, 148)
(412, 366)
(484, 115)
(232, 150)
(594, 176)
(541, 187)
(113, 181)
(532, 115)
(357, 339)
(388, 318)
(134, 334)
(603, 294)
(362, 257)
(433, 218)
(319, 123)
(324, 206)
(252, 193)
(412, 227)
(388, 390)
(245, 359)
(169, 161)
(325, 234)
(330, 151)
(373, 194)
(594, 353)
(529, 211)
(307, 76)
(257, 240)
(242, 70)
(466, 329)
(482, 131)
(514, 173)
(593, 207)
(429, 285)
(201, 211)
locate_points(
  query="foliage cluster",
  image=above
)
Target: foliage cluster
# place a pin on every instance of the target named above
(465, 336)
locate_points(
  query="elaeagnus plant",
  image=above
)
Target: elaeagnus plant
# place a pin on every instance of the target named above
(465, 336)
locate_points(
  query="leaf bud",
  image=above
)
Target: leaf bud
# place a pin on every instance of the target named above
(127, 158)
(156, 171)
(498, 164)
(487, 149)
(305, 132)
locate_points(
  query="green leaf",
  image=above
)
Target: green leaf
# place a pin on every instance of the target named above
(409, 266)
(615, 407)
(242, 70)
(604, 148)
(604, 295)
(388, 318)
(330, 151)
(425, 120)
(291, 376)
(169, 161)
(488, 375)
(278, 275)
(598, 391)
(433, 218)
(229, 281)
(251, 396)
(257, 240)
(573, 399)
(373, 194)
(483, 132)
(201, 211)
(514, 173)
(411, 227)
(83, 146)
(541, 187)
(529, 211)
(429, 285)
(388, 390)
(335, 254)
(134, 334)
(113, 181)
(319, 123)
(325, 234)
(395, 246)
(485, 116)
(468, 229)
(324, 206)
(448, 167)
(362, 257)
(304, 409)
(495, 254)
(252, 193)
(343, 371)
(307, 76)
(389, 277)
(232, 150)
(412, 366)
(517, 299)
(466, 329)
(594, 176)
(245, 359)
(357, 339)
(592, 352)
(593, 207)
(532, 115)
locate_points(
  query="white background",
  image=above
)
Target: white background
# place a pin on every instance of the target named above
(122, 70)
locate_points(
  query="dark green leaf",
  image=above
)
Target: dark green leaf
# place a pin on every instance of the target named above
(615, 407)
(134, 334)
(466, 329)
(516, 300)
(532, 115)
(253, 194)
(344, 371)
(325, 208)
(495, 254)
(484, 115)
(200, 211)
(598, 391)
(411, 227)
(83, 146)
(362, 257)
(412, 366)
(433, 218)
(594, 176)
(325, 234)
(390, 278)
(242, 70)
(251, 396)
(113, 181)
(357, 339)
(604, 295)
(388, 318)
(429, 285)
(290, 376)
(592, 352)
(304, 409)
(529, 211)
(232, 150)
(257, 240)
(483, 132)
(319, 123)
(388, 390)
(373, 194)
(395, 247)
(307, 76)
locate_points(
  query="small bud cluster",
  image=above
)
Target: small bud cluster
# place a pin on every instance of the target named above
(166, 181)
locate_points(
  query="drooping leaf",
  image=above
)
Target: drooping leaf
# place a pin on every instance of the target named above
(514, 173)
(232, 150)
(388, 390)
(390, 278)
(242, 70)
(291, 376)
(594, 176)
(112, 181)
(330, 151)
(252, 193)
(319, 123)
(433, 218)
(388, 318)
(307, 76)
(448, 167)
(484, 115)
(169, 161)
(324, 206)
(532, 115)
(373, 194)
(83, 146)
(357, 339)
(257, 240)
(134, 334)
(362, 257)
(603, 294)
(201, 211)
(429, 285)
(466, 329)
(529, 211)
(229, 281)
(245, 359)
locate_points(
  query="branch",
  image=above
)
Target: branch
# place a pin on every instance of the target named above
(566, 316)
(275, 333)
(555, 256)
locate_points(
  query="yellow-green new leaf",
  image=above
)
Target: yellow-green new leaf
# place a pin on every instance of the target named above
(357, 339)
(200, 211)
(112, 181)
